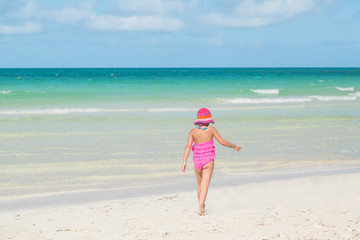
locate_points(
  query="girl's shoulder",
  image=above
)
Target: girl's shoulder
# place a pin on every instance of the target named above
(212, 128)
(193, 130)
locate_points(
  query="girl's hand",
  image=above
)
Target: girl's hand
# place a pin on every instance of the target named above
(237, 148)
(183, 167)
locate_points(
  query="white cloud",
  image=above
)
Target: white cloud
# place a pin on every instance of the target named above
(141, 15)
(144, 15)
(9, 5)
(220, 19)
(154, 6)
(273, 8)
(21, 18)
(134, 23)
(30, 12)
(134, 15)
(21, 10)
(252, 13)
(27, 27)
(71, 15)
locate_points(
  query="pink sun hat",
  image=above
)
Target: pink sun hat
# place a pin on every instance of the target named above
(204, 116)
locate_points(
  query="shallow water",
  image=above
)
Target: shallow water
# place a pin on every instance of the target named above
(94, 129)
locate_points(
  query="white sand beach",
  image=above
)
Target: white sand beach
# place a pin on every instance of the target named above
(316, 207)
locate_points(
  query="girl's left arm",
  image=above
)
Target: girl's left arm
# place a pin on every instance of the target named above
(223, 141)
(187, 151)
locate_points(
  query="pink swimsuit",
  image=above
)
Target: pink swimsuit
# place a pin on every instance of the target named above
(203, 154)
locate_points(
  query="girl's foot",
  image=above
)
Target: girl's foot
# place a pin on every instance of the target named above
(201, 211)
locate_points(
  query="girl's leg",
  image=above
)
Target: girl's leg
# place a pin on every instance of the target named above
(198, 174)
(204, 185)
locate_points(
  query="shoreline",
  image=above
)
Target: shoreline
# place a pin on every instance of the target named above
(45, 200)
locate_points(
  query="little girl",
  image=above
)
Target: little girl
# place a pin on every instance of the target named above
(204, 153)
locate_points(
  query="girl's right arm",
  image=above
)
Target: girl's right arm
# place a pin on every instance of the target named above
(187, 151)
(223, 141)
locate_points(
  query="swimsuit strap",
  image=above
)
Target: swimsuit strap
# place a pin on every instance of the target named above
(201, 128)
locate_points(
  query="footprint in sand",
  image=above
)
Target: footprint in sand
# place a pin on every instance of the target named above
(172, 198)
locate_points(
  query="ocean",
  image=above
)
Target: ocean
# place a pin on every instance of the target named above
(72, 130)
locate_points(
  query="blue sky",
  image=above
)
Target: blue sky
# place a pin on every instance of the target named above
(180, 33)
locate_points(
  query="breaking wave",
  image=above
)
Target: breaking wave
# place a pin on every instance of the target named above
(4, 92)
(266, 91)
(348, 89)
(279, 100)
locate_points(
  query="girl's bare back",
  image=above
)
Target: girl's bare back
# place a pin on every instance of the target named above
(201, 136)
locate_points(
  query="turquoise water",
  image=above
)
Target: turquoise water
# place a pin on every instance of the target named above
(130, 89)
(85, 129)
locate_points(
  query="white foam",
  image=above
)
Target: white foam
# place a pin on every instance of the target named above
(266, 100)
(278, 100)
(266, 91)
(334, 98)
(357, 94)
(5, 92)
(349, 89)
